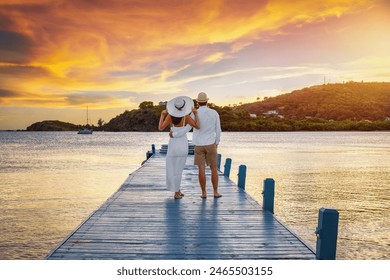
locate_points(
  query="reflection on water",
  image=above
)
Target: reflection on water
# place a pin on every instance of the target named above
(51, 181)
(348, 171)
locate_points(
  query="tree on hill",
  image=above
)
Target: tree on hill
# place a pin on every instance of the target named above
(146, 105)
(100, 123)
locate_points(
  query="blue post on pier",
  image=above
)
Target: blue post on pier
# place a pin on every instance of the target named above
(241, 176)
(150, 153)
(328, 222)
(269, 195)
(227, 167)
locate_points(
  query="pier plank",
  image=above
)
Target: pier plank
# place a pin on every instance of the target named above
(143, 221)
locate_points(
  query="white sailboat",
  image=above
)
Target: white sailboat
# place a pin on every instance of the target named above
(85, 130)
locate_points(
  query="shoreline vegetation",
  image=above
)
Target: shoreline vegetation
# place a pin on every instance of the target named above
(351, 106)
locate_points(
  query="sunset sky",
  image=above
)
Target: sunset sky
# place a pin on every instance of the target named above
(57, 57)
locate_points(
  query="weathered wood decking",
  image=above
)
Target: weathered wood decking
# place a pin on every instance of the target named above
(143, 221)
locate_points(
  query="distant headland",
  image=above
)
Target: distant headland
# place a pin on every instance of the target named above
(330, 107)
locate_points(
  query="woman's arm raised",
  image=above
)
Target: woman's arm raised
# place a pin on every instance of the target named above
(194, 123)
(165, 120)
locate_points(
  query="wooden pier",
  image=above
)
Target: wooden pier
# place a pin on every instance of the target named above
(143, 221)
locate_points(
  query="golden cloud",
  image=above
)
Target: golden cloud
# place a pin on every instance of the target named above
(137, 46)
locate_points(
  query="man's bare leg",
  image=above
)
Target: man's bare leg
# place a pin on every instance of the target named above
(202, 179)
(214, 179)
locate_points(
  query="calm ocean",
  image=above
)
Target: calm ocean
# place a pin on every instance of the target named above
(51, 181)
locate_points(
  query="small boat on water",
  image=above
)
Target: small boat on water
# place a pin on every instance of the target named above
(85, 130)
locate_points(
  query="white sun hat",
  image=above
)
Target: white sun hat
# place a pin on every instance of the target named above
(180, 106)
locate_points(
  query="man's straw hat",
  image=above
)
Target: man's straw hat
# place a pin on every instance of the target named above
(202, 97)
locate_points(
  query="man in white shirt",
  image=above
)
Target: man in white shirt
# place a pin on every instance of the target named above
(206, 140)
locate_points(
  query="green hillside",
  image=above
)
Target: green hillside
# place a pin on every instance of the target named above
(352, 100)
(53, 126)
(145, 118)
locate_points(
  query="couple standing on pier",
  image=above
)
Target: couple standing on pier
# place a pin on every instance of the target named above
(181, 116)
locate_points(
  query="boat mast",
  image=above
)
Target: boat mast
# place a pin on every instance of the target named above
(87, 116)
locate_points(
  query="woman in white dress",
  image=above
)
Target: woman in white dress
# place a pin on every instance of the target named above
(177, 116)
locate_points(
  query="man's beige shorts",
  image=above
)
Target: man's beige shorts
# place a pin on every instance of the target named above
(206, 154)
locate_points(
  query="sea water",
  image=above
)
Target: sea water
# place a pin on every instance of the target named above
(51, 181)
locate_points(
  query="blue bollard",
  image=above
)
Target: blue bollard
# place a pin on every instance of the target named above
(228, 166)
(219, 161)
(151, 153)
(328, 223)
(241, 176)
(269, 195)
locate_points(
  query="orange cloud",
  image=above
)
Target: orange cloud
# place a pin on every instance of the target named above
(135, 46)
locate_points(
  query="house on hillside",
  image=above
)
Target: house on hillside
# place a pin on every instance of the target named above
(271, 112)
(252, 116)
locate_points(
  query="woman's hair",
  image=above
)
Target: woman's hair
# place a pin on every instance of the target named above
(176, 120)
